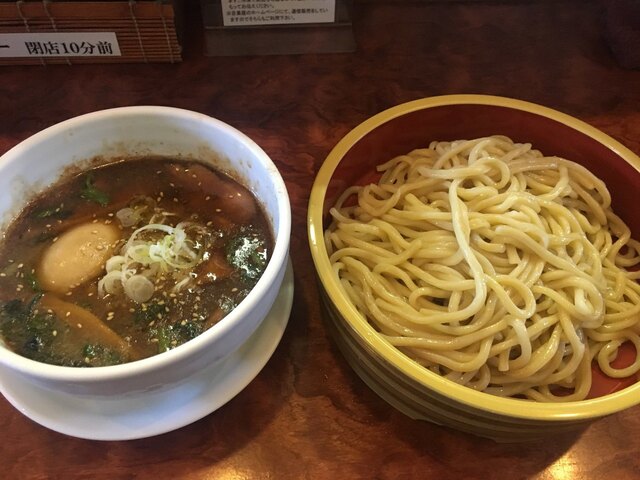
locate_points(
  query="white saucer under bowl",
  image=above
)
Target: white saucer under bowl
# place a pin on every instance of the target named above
(154, 413)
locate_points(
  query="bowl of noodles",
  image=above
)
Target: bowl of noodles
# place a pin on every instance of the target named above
(478, 264)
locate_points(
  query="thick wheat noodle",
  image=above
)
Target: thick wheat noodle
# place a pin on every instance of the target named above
(492, 265)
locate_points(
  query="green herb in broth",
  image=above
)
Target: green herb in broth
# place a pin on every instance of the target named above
(169, 336)
(32, 281)
(28, 332)
(53, 212)
(146, 313)
(92, 194)
(97, 355)
(247, 252)
(226, 303)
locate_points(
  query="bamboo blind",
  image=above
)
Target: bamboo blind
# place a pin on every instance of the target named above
(146, 30)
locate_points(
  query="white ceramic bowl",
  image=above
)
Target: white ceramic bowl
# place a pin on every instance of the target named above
(134, 131)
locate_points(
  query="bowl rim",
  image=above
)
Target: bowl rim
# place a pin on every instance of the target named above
(87, 376)
(517, 408)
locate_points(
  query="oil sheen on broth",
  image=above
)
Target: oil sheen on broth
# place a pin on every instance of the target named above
(128, 260)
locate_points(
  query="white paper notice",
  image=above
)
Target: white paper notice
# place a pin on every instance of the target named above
(59, 44)
(240, 13)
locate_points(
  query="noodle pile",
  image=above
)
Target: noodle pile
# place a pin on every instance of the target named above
(492, 265)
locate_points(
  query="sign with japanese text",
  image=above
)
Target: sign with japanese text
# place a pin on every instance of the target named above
(276, 12)
(59, 44)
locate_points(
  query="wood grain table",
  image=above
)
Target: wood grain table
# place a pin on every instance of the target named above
(307, 415)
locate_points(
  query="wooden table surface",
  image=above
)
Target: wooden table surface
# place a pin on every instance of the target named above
(307, 414)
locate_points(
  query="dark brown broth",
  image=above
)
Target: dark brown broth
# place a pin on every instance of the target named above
(234, 223)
